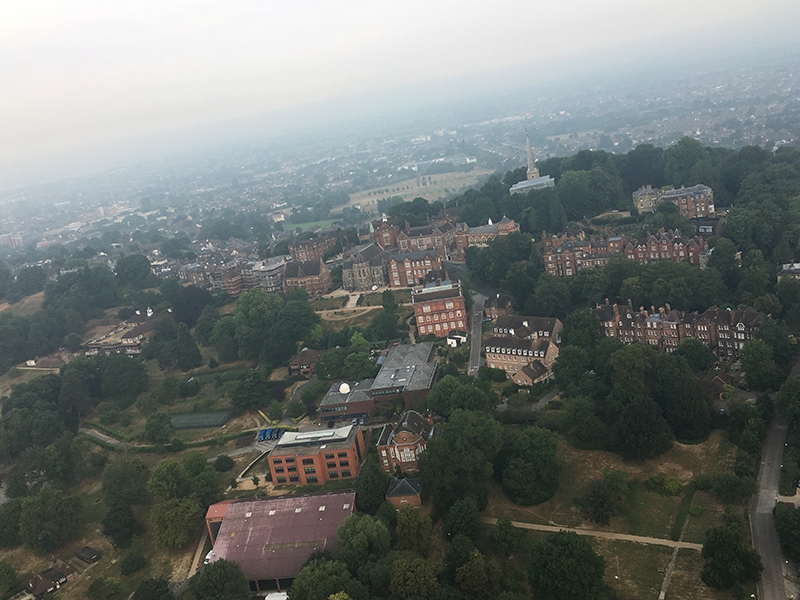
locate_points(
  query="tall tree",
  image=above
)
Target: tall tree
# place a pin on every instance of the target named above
(564, 567)
(221, 580)
(371, 485)
(413, 530)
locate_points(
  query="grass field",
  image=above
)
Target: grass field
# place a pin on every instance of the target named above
(440, 187)
(306, 226)
(686, 584)
(25, 307)
(329, 303)
(400, 296)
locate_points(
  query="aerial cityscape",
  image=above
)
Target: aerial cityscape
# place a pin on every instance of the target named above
(419, 303)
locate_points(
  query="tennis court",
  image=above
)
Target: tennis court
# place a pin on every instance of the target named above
(202, 420)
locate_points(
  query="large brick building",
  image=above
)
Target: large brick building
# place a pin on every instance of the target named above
(524, 347)
(439, 309)
(311, 250)
(400, 444)
(410, 269)
(313, 276)
(696, 202)
(481, 237)
(317, 456)
(724, 331)
(364, 267)
(440, 238)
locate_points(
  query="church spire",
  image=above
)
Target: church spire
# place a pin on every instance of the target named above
(533, 171)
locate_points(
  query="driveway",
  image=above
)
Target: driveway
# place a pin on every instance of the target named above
(476, 330)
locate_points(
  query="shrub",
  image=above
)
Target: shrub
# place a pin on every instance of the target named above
(223, 463)
(672, 486)
(704, 482)
(131, 563)
(695, 511)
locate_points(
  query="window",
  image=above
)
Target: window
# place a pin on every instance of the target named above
(310, 470)
(342, 454)
(281, 479)
(328, 455)
(311, 479)
(291, 469)
(308, 461)
(293, 478)
(333, 475)
(277, 461)
(345, 473)
(344, 463)
(279, 469)
(331, 465)
(426, 308)
(290, 459)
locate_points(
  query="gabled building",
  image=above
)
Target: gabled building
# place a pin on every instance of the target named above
(498, 305)
(404, 491)
(385, 232)
(364, 267)
(311, 250)
(524, 347)
(313, 276)
(439, 309)
(302, 363)
(439, 238)
(481, 237)
(400, 444)
(411, 268)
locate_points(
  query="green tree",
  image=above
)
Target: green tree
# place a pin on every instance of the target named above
(121, 526)
(696, 353)
(121, 377)
(223, 463)
(362, 539)
(221, 580)
(153, 589)
(449, 394)
(413, 530)
(134, 271)
(319, 579)
(412, 579)
(759, 367)
(125, 482)
(371, 485)
(505, 537)
(173, 521)
(471, 577)
(133, 562)
(389, 302)
(9, 523)
(9, 580)
(158, 429)
(728, 560)
(358, 366)
(169, 480)
(104, 588)
(463, 518)
(564, 567)
(49, 519)
(582, 327)
(531, 477)
(188, 354)
(642, 432)
(189, 303)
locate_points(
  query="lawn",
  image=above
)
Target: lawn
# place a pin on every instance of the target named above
(710, 517)
(25, 307)
(329, 303)
(643, 512)
(633, 569)
(685, 583)
(402, 296)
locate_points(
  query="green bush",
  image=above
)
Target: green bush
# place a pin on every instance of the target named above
(672, 486)
(695, 511)
(132, 562)
(223, 464)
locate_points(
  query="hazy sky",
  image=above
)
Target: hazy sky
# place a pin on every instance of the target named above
(77, 76)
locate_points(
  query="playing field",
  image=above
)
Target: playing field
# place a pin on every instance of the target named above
(202, 420)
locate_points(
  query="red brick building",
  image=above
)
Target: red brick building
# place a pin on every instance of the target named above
(482, 236)
(401, 443)
(385, 233)
(311, 250)
(302, 363)
(524, 347)
(313, 276)
(404, 491)
(407, 270)
(313, 457)
(498, 305)
(440, 238)
(439, 309)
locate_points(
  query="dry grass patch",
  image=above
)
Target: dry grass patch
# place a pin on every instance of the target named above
(633, 569)
(25, 307)
(686, 584)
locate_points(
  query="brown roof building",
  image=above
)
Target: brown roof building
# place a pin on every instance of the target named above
(311, 250)
(313, 276)
(524, 347)
(401, 443)
(480, 237)
(410, 269)
(303, 362)
(271, 538)
(404, 491)
(440, 238)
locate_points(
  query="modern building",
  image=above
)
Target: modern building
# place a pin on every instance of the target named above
(400, 444)
(410, 269)
(268, 274)
(346, 400)
(272, 538)
(11, 240)
(439, 309)
(408, 372)
(312, 457)
(481, 237)
(313, 276)
(724, 331)
(364, 267)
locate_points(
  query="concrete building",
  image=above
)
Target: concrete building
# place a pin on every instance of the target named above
(272, 538)
(346, 400)
(313, 457)
(439, 309)
(268, 274)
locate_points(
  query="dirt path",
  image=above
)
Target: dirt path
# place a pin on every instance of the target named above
(609, 535)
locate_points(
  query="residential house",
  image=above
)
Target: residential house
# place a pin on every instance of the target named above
(404, 491)
(498, 305)
(302, 363)
(520, 342)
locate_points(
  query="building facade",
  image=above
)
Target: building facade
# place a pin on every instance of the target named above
(439, 309)
(481, 237)
(313, 457)
(400, 444)
(364, 267)
(408, 270)
(313, 276)
(440, 238)
(696, 202)
(519, 342)
(311, 250)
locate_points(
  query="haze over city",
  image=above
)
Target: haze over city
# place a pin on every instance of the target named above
(92, 85)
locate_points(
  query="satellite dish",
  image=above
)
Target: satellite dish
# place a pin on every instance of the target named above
(344, 388)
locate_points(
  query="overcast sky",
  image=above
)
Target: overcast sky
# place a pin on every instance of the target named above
(82, 75)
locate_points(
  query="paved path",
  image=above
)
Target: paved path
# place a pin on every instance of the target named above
(609, 535)
(762, 523)
(101, 436)
(476, 328)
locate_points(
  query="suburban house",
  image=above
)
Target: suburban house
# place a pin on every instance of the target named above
(439, 309)
(317, 456)
(50, 579)
(302, 363)
(272, 538)
(498, 305)
(400, 444)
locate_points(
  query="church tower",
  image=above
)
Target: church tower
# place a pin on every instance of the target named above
(533, 171)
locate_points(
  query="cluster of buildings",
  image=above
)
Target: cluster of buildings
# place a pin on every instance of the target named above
(568, 252)
(696, 202)
(524, 347)
(724, 331)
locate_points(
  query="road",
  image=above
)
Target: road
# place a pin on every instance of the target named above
(609, 535)
(762, 523)
(476, 330)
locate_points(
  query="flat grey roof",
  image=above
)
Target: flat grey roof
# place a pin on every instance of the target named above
(357, 392)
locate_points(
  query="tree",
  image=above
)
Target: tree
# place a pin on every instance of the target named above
(134, 561)
(697, 354)
(389, 302)
(9, 580)
(358, 366)
(224, 463)
(319, 579)
(582, 327)
(190, 302)
(471, 577)
(463, 518)
(371, 485)
(9, 523)
(412, 579)
(187, 352)
(158, 428)
(362, 539)
(122, 377)
(449, 394)
(531, 477)
(642, 432)
(121, 526)
(727, 559)
(174, 520)
(220, 580)
(169, 480)
(564, 567)
(759, 367)
(49, 519)
(125, 482)
(134, 271)
(153, 589)
(505, 537)
(787, 523)
(413, 530)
